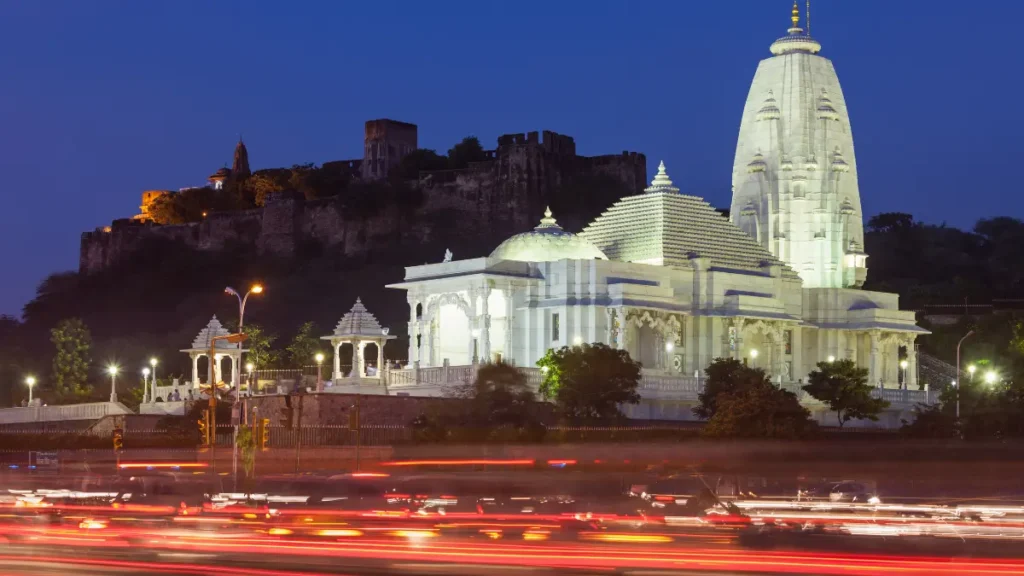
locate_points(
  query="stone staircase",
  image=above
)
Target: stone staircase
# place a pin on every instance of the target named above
(936, 373)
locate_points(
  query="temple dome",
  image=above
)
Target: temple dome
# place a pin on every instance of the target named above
(547, 243)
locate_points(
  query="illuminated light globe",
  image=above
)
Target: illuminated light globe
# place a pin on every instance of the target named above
(547, 243)
(990, 377)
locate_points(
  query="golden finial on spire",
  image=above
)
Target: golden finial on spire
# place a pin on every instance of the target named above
(796, 15)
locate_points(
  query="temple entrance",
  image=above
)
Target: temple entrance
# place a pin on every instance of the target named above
(453, 336)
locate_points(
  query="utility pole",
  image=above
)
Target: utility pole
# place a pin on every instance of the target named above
(298, 434)
(230, 339)
(355, 425)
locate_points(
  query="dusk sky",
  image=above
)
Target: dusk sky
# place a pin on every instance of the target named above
(102, 99)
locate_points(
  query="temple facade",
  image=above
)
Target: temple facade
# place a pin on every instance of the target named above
(667, 278)
(664, 276)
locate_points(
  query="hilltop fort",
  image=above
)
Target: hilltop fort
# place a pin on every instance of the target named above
(503, 191)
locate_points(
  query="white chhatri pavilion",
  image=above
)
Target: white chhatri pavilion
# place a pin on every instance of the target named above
(360, 329)
(201, 348)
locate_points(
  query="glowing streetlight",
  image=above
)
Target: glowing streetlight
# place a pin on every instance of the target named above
(153, 362)
(903, 366)
(753, 353)
(831, 359)
(971, 369)
(319, 373)
(112, 370)
(957, 381)
(670, 346)
(30, 382)
(249, 367)
(578, 341)
(990, 377)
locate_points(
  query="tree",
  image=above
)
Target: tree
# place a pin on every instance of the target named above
(590, 381)
(302, 351)
(247, 448)
(259, 343)
(71, 361)
(260, 185)
(759, 409)
(465, 152)
(724, 376)
(420, 160)
(499, 396)
(843, 387)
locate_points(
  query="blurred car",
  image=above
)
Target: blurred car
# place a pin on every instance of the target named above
(845, 491)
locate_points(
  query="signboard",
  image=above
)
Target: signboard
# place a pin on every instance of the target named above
(44, 460)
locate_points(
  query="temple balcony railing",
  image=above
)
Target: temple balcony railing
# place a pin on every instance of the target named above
(87, 411)
(654, 384)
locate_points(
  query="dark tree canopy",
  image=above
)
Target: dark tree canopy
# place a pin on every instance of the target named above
(420, 160)
(590, 381)
(465, 152)
(724, 376)
(843, 386)
(759, 410)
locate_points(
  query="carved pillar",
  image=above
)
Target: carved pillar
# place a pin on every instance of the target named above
(614, 329)
(509, 322)
(380, 358)
(911, 365)
(875, 370)
(777, 355)
(485, 324)
(337, 360)
(737, 325)
(357, 359)
(431, 355)
(217, 376)
(195, 369)
(415, 323)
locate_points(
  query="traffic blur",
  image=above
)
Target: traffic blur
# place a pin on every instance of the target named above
(455, 514)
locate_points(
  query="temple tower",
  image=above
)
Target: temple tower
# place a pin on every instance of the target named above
(240, 165)
(794, 176)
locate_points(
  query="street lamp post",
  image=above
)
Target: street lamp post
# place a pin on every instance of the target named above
(990, 377)
(235, 378)
(145, 383)
(319, 373)
(903, 366)
(957, 381)
(249, 367)
(112, 370)
(30, 381)
(152, 395)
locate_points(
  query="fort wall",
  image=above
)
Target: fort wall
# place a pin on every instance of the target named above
(488, 201)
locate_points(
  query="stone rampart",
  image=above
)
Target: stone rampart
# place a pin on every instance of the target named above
(488, 201)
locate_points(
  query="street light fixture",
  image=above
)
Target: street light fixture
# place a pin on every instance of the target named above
(112, 370)
(30, 381)
(971, 369)
(957, 381)
(990, 377)
(319, 371)
(903, 366)
(831, 359)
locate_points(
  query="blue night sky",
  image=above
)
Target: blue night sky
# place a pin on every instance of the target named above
(104, 99)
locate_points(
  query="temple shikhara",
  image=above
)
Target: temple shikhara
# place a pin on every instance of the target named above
(666, 277)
